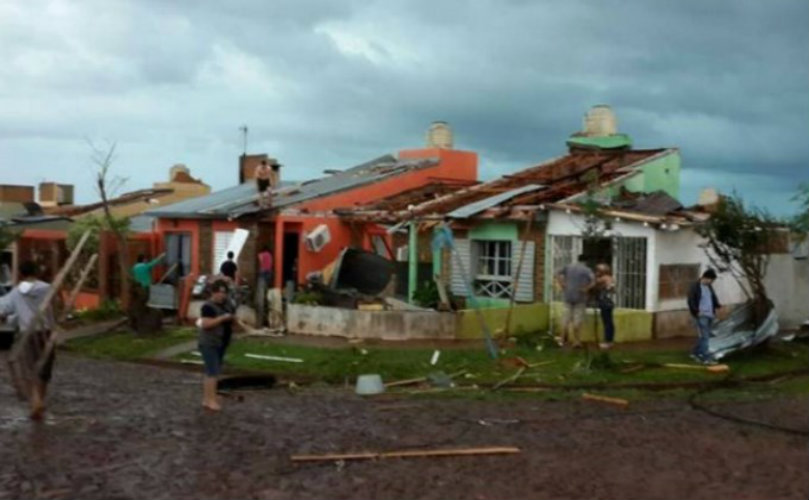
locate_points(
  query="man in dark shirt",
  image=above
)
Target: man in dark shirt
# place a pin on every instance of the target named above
(229, 268)
(215, 331)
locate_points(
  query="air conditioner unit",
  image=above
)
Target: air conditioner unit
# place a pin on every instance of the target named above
(318, 238)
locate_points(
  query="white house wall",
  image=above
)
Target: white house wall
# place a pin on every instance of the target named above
(683, 247)
(564, 224)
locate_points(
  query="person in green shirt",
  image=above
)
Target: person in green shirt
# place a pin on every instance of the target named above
(142, 271)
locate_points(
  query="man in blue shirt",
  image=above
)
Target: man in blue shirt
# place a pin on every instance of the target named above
(703, 305)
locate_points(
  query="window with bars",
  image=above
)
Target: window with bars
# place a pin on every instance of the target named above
(493, 277)
(675, 279)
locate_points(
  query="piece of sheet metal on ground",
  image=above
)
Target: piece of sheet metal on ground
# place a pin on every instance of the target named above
(732, 335)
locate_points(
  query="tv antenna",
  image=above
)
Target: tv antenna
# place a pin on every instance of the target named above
(243, 130)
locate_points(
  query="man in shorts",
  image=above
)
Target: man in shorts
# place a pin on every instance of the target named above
(21, 303)
(576, 280)
(215, 331)
(265, 184)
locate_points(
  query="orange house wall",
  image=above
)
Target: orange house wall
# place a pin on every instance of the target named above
(309, 261)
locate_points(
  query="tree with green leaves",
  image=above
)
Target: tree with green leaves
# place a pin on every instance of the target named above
(7, 236)
(737, 241)
(96, 225)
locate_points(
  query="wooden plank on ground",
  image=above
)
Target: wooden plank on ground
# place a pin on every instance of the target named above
(369, 455)
(605, 399)
(707, 368)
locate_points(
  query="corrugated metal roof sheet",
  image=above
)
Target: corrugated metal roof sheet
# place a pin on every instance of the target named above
(481, 205)
(241, 200)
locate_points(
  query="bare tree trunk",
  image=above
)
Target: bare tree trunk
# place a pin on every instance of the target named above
(103, 161)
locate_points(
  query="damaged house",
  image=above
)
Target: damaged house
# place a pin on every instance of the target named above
(513, 234)
(299, 227)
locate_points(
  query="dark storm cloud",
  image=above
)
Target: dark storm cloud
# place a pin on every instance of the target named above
(326, 84)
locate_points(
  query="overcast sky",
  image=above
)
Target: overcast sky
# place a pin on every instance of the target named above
(329, 84)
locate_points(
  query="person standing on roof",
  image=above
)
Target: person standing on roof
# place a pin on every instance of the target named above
(575, 280)
(229, 268)
(265, 182)
(22, 303)
(703, 305)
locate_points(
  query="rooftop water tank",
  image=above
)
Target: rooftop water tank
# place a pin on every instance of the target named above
(439, 135)
(600, 121)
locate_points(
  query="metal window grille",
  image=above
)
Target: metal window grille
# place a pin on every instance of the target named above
(628, 264)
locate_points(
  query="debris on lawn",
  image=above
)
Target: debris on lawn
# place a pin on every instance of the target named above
(707, 368)
(191, 362)
(434, 359)
(371, 455)
(633, 369)
(510, 379)
(605, 399)
(273, 358)
(438, 378)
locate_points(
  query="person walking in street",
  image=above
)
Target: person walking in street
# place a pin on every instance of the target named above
(605, 287)
(703, 305)
(215, 330)
(575, 280)
(229, 268)
(21, 304)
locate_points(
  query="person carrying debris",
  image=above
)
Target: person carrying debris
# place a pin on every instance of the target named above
(575, 280)
(703, 305)
(215, 330)
(22, 302)
(265, 182)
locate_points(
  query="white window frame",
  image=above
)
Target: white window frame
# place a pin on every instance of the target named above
(498, 253)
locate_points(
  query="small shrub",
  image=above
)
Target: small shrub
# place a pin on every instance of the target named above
(108, 309)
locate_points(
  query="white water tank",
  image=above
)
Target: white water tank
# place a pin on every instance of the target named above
(439, 135)
(600, 121)
(176, 169)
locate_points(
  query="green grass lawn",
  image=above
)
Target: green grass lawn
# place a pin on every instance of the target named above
(560, 367)
(126, 346)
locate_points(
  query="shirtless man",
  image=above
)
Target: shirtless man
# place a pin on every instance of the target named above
(264, 182)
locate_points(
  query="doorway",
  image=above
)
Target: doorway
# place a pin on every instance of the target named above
(290, 264)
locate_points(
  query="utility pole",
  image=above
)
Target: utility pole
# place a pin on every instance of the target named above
(243, 130)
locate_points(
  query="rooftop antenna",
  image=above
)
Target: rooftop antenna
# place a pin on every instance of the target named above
(243, 130)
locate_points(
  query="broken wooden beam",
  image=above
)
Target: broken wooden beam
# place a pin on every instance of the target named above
(371, 455)
(76, 289)
(707, 368)
(605, 399)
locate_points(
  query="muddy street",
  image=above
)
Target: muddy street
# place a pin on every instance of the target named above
(128, 431)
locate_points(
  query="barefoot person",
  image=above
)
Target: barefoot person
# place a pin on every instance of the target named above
(215, 329)
(21, 303)
(605, 287)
